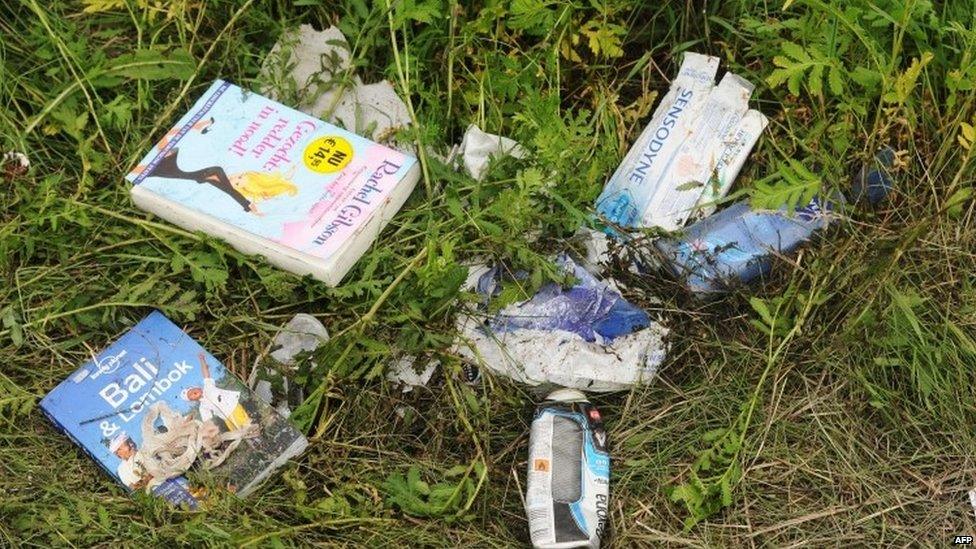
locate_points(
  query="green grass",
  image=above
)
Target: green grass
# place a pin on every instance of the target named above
(849, 421)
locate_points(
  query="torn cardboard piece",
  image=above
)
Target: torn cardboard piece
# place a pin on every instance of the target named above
(315, 67)
(584, 337)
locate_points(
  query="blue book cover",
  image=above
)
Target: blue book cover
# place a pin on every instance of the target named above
(138, 406)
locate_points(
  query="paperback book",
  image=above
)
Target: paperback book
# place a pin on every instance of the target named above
(272, 181)
(155, 403)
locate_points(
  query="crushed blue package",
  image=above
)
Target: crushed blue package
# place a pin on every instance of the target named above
(586, 336)
(874, 181)
(591, 310)
(738, 244)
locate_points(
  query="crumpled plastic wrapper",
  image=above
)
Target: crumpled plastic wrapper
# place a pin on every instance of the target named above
(403, 372)
(585, 337)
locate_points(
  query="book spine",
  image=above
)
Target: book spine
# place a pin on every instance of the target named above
(285, 257)
(57, 424)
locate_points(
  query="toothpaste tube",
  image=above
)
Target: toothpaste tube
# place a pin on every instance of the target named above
(736, 146)
(627, 194)
(686, 175)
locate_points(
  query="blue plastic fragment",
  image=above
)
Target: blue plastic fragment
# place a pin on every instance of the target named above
(737, 244)
(873, 181)
(590, 308)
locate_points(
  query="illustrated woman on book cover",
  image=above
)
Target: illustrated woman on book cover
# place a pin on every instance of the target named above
(247, 188)
(215, 403)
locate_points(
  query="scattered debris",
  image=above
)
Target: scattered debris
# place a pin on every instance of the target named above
(599, 252)
(478, 148)
(269, 377)
(14, 164)
(583, 337)
(475, 153)
(316, 67)
(404, 373)
(597, 247)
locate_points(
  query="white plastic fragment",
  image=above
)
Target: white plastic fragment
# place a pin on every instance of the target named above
(315, 65)
(535, 357)
(269, 377)
(373, 109)
(596, 244)
(598, 254)
(403, 373)
(303, 59)
(18, 158)
(303, 333)
(478, 148)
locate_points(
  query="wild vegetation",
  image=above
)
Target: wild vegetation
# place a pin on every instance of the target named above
(833, 405)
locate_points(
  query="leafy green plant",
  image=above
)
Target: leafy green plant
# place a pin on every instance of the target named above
(792, 185)
(15, 402)
(713, 475)
(447, 499)
(717, 469)
(922, 350)
(810, 65)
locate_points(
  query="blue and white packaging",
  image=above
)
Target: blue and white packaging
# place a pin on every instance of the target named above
(735, 148)
(586, 336)
(702, 167)
(738, 244)
(568, 484)
(629, 191)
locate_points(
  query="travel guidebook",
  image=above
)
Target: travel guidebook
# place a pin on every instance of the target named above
(138, 405)
(307, 195)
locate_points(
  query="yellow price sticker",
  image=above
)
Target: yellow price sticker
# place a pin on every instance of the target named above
(327, 154)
